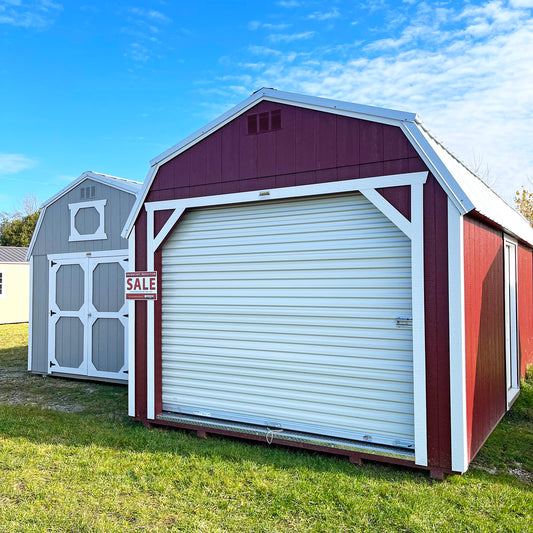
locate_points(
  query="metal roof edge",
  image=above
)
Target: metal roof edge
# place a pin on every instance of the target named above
(438, 168)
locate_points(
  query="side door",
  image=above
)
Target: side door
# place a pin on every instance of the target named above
(67, 331)
(107, 317)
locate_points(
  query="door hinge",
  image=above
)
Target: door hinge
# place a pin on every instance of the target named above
(52, 263)
(125, 259)
(52, 313)
(52, 364)
(126, 315)
(125, 371)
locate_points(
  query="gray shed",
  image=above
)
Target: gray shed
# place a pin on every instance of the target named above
(78, 312)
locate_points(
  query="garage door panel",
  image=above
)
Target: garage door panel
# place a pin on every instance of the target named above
(286, 311)
(191, 328)
(367, 382)
(384, 369)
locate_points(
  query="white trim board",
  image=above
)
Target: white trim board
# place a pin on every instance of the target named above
(131, 331)
(456, 313)
(30, 320)
(414, 229)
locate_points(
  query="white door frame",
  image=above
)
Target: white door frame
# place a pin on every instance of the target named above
(414, 229)
(87, 313)
(55, 313)
(512, 379)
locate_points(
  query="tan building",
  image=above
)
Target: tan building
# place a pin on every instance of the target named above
(14, 285)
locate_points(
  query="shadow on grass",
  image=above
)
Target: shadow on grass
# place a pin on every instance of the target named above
(73, 413)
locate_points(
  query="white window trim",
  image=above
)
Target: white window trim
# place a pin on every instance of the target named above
(413, 229)
(512, 359)
(3, 275)
(99, 234)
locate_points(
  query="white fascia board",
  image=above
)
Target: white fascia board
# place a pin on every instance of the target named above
(141, 197)
(437, 167)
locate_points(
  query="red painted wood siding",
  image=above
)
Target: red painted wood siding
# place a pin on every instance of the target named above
(310, 147)
(525, 307)
(436, 323)
(313, 147)
(484, 330)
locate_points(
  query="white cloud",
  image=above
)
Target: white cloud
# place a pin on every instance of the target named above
(289, 3)
(143, 26)
(14, 163)
(36, 14)
(290, 37)
(466, 72)
(327, 15)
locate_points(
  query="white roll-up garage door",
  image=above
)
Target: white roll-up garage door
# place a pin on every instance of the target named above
(291, 314)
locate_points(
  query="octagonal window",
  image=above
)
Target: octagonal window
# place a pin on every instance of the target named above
(87, 221)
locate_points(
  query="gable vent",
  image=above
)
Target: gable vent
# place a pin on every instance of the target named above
(87, 192)
(263, 122)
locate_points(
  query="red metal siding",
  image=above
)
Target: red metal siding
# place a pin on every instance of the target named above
(525, 307)
(314, 147)
(484, 330)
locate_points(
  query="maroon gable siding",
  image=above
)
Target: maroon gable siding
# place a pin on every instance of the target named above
(484, 330)
(314, 147)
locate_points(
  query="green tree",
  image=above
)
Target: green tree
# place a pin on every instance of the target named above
(524, 202)
(16, 229)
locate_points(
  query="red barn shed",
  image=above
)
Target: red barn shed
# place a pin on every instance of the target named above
(329, 277)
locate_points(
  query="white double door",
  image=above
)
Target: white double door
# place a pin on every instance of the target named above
(87, 328)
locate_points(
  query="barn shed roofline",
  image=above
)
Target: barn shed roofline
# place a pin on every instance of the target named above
(466, 191)
(122, 184)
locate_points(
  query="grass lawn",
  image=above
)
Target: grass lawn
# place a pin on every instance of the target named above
(71, 460)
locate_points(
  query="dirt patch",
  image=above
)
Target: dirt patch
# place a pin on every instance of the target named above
(522, 473)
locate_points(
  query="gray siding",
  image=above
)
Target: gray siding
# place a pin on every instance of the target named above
(55, 228)
(39, 315)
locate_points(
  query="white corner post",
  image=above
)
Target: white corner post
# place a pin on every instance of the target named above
(456, 294)
(30, 319)
(131, 330)
(419, 330)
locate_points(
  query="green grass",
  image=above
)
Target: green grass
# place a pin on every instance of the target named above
(92, 469)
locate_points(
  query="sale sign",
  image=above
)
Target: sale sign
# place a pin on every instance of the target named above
(141, 285)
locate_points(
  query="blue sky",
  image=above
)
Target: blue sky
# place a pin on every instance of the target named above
(107, 86)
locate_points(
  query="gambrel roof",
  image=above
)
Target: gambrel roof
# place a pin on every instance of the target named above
(122, 184)
(467, 191)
